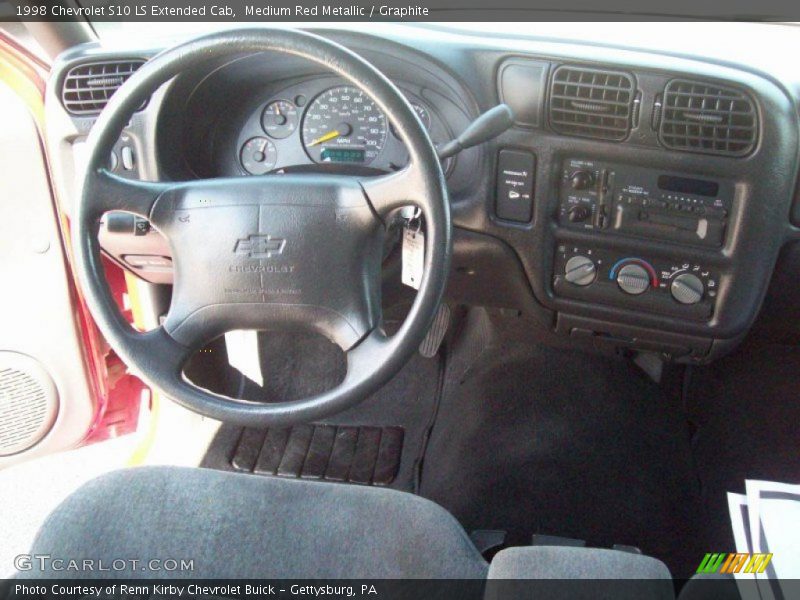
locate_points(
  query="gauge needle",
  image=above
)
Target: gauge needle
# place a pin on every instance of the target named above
(324, 138)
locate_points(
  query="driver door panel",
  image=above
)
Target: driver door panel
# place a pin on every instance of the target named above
(48, 404)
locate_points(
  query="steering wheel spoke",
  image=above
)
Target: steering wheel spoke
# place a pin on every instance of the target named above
(165, 356)
(364, 355)
(107, 192)
(387, 193)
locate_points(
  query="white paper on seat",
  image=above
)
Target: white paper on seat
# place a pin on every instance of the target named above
(242, 348)
(766, 520)
(778, 506)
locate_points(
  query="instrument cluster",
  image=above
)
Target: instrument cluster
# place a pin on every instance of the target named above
(324, 121)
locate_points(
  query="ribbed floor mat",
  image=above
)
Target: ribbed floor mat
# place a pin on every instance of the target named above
(347, 454)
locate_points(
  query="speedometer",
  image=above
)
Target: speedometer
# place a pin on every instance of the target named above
(344, 125)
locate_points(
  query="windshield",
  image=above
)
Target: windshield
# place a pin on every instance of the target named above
(643, 33)
(718, 39)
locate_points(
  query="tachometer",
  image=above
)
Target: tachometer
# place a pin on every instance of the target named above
(344, 125)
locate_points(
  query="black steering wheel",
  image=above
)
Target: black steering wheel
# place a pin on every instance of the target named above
(298, 251)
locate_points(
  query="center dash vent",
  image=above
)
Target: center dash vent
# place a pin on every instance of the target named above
(707, 118)
(591, 103)
(88, 87)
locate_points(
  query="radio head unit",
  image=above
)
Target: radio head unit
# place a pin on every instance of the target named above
(647, 203)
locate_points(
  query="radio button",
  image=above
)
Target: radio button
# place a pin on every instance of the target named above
(580, 270)
(687, 288)
(633, 279)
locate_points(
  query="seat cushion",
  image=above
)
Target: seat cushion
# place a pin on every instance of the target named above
(575, 572)
(244, 526)
(573, 562)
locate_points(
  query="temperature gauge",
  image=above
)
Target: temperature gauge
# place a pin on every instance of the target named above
(258, 155)
(279, 119)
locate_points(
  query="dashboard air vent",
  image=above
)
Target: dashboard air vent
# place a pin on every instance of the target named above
(591, 102)
(88, 87)
(707, 118)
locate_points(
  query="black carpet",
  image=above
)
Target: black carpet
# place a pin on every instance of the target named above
(532, 439)
(747, 409)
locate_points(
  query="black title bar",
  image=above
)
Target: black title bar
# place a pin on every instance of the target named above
(267, 11)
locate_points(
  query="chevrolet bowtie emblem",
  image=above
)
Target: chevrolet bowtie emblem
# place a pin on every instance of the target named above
(259, 246)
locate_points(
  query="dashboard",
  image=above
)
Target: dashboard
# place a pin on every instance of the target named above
(640, 201)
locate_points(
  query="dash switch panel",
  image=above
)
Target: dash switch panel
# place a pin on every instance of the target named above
(515, 180)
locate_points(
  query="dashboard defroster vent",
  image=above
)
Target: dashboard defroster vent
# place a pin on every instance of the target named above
(707, 118)
(88, 87)
(591, 102)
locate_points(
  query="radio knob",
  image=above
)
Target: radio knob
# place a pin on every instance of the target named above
(578, 214)
(580, 270)
(687, 288)
(581, 180)
(633, 279)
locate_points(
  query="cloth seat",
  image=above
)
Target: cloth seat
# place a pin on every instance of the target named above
(577, 573)
(235, 526)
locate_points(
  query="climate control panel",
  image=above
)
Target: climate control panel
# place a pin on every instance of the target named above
(681, 288)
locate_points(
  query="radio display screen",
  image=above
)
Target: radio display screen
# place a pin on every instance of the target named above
(683, 185)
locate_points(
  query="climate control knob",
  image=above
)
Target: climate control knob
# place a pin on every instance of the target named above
(580, 270)
(687, 288)
(633, 279)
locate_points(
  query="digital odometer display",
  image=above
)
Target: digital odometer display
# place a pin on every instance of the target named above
(342, 124)
(343, 155)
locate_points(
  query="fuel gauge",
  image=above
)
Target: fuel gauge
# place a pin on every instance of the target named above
(258, 155)
(279, 119)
